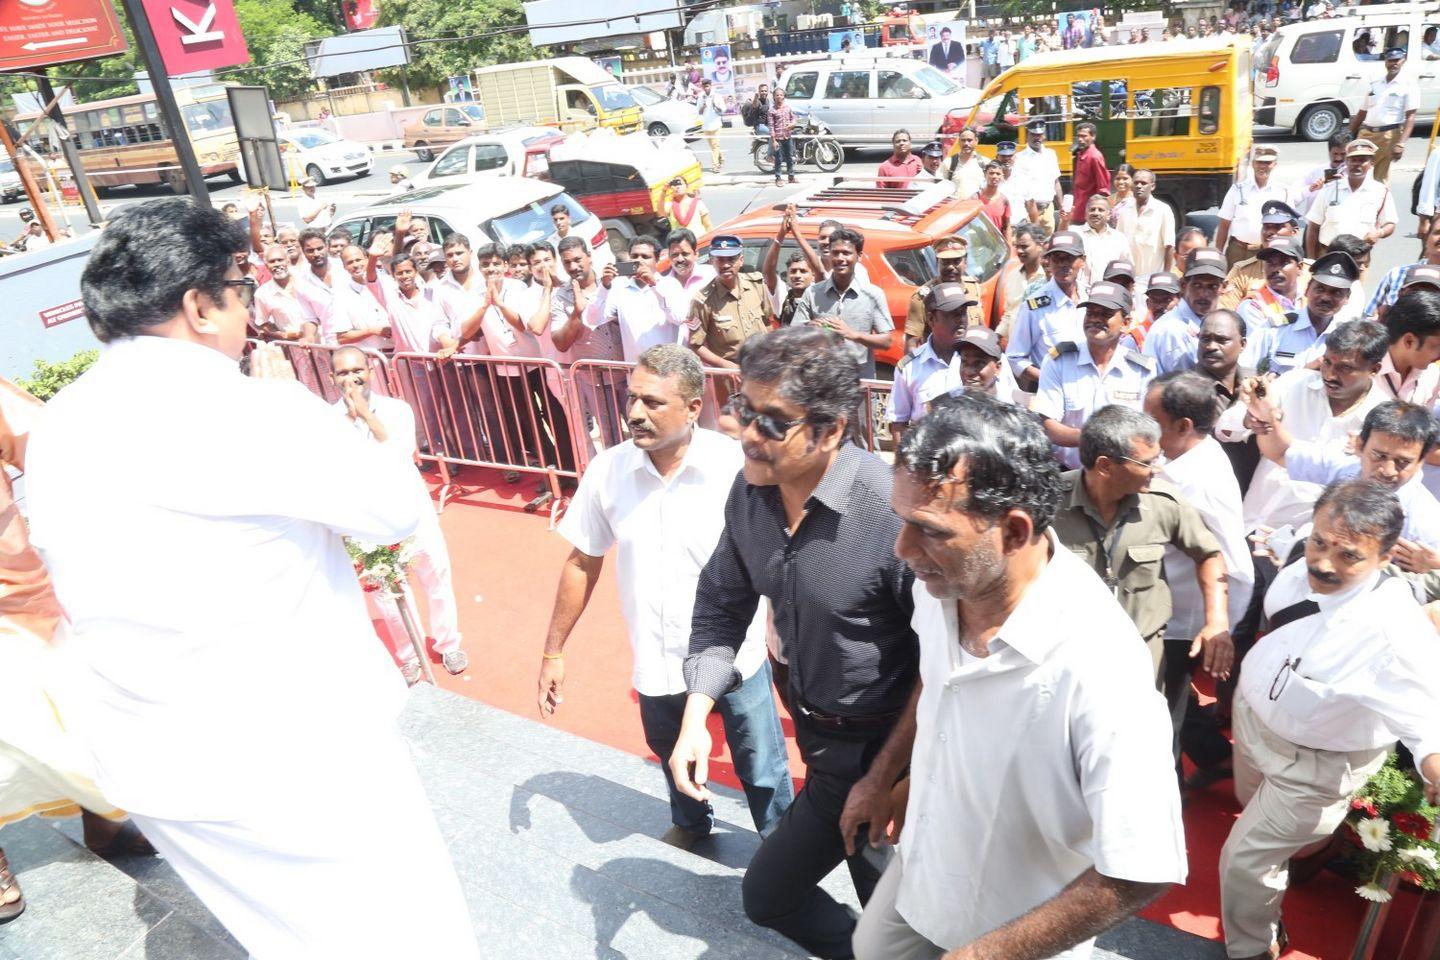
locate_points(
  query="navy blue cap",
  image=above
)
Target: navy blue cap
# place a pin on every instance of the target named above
(932, 149)
(1278, 211)
(1036, 126)
(1336, 269)
(1005, 148)
(1395, 53)
(726, 245)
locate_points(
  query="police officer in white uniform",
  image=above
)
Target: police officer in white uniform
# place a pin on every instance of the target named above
(1053, 315)
(1387, 115)
(1092, 371)
(1297, 344)
(1238, 235)
(1356, 204)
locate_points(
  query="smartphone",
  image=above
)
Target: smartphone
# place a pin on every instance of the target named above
(626, 268)
(1331, 173)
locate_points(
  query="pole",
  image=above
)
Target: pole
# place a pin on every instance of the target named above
(165, 100)
(67, 147)
(405, 84)
(32, 189)
(407, 617)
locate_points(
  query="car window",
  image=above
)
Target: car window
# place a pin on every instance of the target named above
(454, 118)
(432, 118)
(1162, 113)
(801, 86)
(614, 97)
(848, 85)
(987, 251)
(934, 81)
(1430, 42)
(312, 139)
(474, 112)
(489, 156)
(1321, 47)
(998, 117)
(451, 163)
(897, 86)
(532, 222)
(359, 229)
(915, 266)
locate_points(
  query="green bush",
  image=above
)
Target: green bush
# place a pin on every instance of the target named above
(51, 377)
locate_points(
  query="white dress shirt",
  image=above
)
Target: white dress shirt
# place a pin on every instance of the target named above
(1274, 498)
(1369, 670)
(413, 320)
(1242, 204)
(279, 307)
(1150, 231)
(1324, 464)
(1204, 477)
(317, 297)
(1077, 774)
(666, 532)
(1338, 209)
(356, 308)
(646, 315)
(203, 566)
(1036, 172)
(1387, 101)
(1102, 248)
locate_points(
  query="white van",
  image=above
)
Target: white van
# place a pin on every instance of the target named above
(1313, 76)
(863, 100)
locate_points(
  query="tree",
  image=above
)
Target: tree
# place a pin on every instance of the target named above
(431, 63)
(276, 32)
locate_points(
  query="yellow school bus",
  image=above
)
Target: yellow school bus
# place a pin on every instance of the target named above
(1179, 108)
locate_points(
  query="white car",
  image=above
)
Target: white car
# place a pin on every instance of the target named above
(864, 98)
(485, 155)
(520, 213)
(319, 154)
(665, 117)
(11, 189)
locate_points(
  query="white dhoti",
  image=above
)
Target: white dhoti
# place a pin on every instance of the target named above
(346, 863)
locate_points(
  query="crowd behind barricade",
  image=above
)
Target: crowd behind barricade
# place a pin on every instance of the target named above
(1178, 460)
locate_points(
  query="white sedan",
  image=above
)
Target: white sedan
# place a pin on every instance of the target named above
(319, 154)
(665, 117)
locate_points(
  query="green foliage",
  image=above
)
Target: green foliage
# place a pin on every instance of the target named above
(276, 31)
(427, 19)
(1391, 824)
(50, 377)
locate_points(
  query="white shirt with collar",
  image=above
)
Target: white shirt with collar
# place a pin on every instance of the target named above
(1082, 778)
(1151, 231)
(666, 532)
(1072, 388)
(1339, 209)
(920, 381)
(1174, 338)
(413, 320)
(1036, 171)
(1369, 670)
(183, 596)
(1204, 476)
(317, 297)
(1043, 322)
(356, 308)
(1242, 204)
(279, 307)
(1294, 345)
(1274, 498)
(646, 315)
(1320, 463)
(1102, 248)
(1387, 101)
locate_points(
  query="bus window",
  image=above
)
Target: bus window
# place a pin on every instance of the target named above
(212, 116)
(1209, 111)
(1091, 100)
(1052, 111)
(1163, 112)
(997, 119)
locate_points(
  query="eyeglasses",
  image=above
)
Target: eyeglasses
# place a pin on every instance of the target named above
(1277, 686)
(771, 427)
(1152, 465)
(245, 288)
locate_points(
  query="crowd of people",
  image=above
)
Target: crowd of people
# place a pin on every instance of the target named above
(1174, 455)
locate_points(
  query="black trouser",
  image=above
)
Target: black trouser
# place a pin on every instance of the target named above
(782, 884)
(522, 410)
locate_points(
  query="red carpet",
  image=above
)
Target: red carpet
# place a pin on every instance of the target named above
(506, 566)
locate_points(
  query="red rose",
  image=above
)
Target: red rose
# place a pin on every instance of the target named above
(370, 586)
(395, 547)
(1409, 877)
(1361, 803)
(1414, 824)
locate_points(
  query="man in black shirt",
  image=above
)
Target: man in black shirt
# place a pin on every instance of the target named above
(809, 525)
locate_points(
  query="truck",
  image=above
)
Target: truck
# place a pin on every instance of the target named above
(570, 93)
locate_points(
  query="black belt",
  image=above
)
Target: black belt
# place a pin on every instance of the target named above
(1385, 129)
(827, 721)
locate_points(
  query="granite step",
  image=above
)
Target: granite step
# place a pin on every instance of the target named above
(554, 838)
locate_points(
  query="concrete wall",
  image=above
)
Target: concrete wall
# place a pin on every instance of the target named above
(35, 285)
(349, 101)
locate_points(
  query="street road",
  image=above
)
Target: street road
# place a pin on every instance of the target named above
(740, 187)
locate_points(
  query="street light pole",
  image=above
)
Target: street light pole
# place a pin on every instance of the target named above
(68, 147)
(165, 100)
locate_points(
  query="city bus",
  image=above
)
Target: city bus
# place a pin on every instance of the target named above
(125, 141)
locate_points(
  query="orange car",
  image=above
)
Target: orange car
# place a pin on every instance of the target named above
(899, 226)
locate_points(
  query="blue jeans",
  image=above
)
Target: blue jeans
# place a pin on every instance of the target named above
(757, 745)
(785, 150)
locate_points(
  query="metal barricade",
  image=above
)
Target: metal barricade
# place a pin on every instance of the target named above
(875, 429)
(597, 395)
(312, 363)
(505, 413)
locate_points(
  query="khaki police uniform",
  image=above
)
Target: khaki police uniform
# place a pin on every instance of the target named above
(916, 326)
(722, 319)
(1246, 277)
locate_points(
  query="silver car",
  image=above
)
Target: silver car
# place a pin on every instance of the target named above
(664, 117)
(864, 100)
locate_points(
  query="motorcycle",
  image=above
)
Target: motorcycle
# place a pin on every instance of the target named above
(811, 141)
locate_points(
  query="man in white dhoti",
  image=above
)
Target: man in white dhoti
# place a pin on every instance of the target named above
(391, 423)
(191, 519)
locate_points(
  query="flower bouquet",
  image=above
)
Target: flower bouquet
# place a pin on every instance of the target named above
(1391, 825)
(381, 566)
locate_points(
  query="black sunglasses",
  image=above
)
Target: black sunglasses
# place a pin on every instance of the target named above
(245, 289)
(771, 427)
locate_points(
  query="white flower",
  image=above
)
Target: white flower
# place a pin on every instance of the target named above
(1375, 834)
(382, 571)
(1374, 893)
(1421, 856)
(364, 545)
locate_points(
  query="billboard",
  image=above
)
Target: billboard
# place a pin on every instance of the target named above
(715, 67)
(195, 35)
(845, 41)
(945, 47)
(38, 33)
(361, 14)
(571, 21)
(358, 52)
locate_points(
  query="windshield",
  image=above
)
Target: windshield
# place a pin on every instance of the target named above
(612, 96)
(473, 111)
(646, 96)
(209, 117)
(533, 222)
(311, 140)
(934, 81)
(6, 166)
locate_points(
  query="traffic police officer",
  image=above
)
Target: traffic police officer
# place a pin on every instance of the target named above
(730, 309)
(1095, 370)
(1119, 519)
(1052, 316)
(951, 252)
(1172, 337)
(1277, 219)
(1387, 115)
(1299, 343)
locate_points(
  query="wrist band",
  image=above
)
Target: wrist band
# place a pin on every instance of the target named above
(552, 656)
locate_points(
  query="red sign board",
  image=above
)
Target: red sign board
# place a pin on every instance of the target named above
(195, 35)
(361, 14)
(37, 33)
(54, 316)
